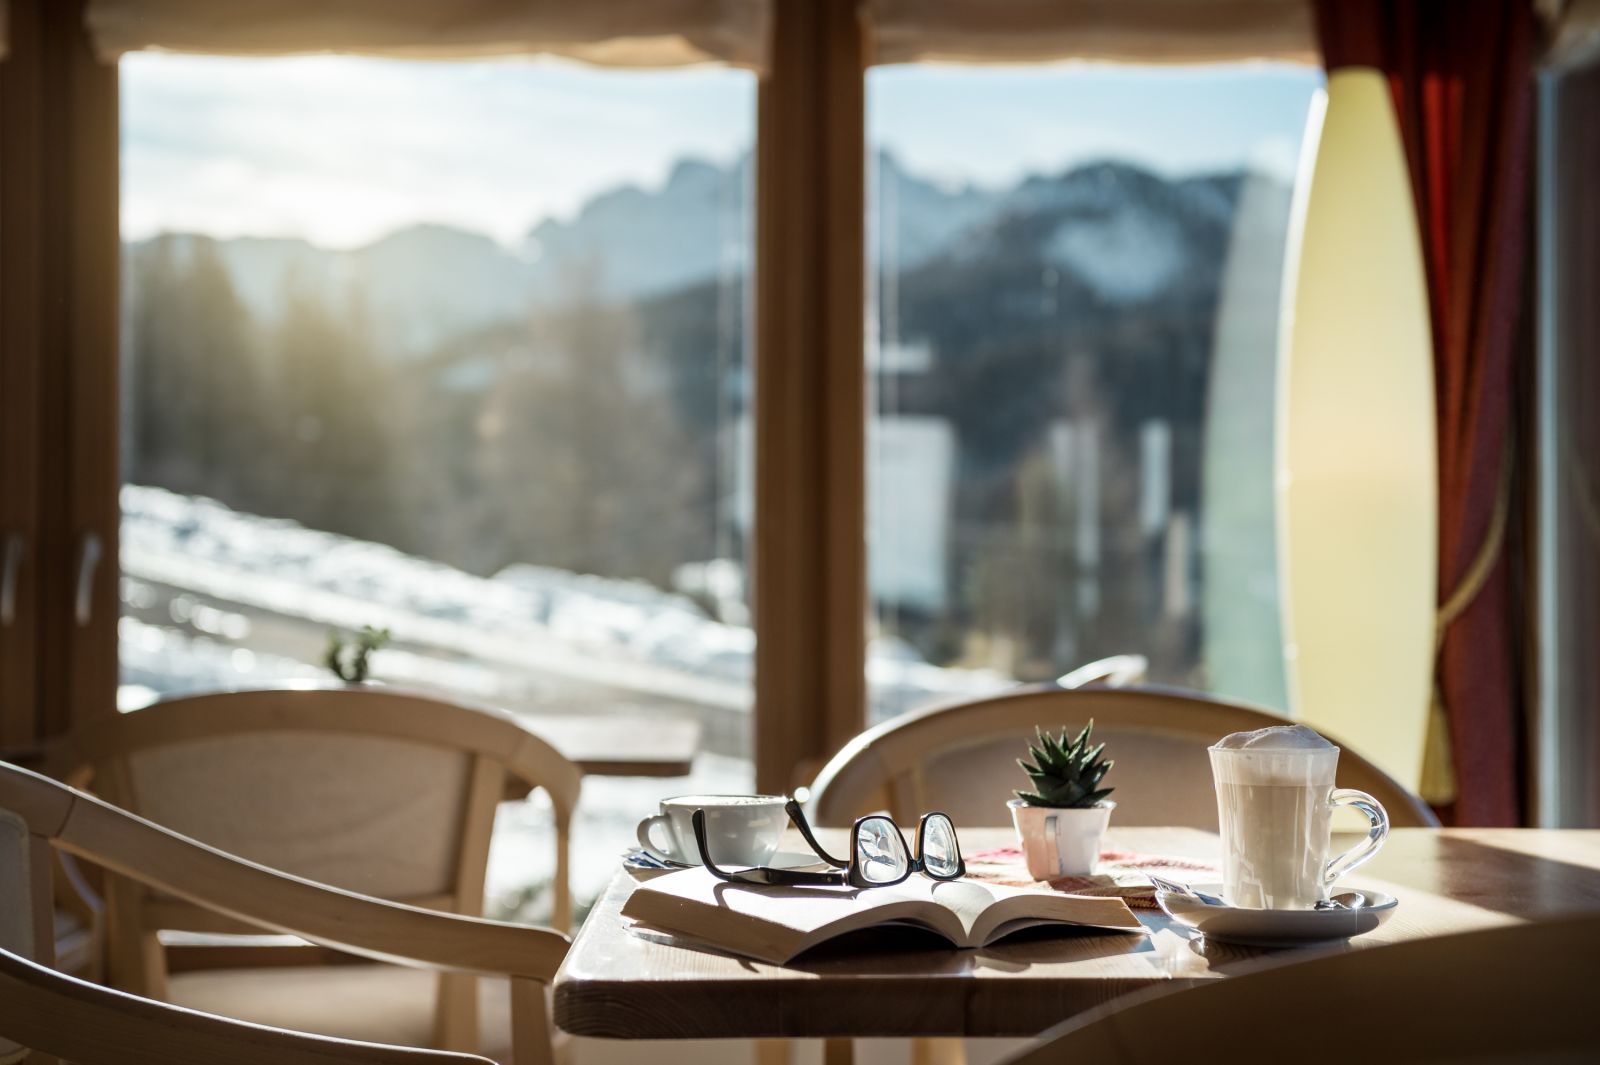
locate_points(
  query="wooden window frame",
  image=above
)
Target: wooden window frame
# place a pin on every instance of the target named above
(60, 394)
(809, 561)
(59, 257)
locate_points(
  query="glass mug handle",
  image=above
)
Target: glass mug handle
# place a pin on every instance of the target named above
(1376, 834)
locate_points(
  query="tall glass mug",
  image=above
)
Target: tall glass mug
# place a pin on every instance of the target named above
(1275, 805)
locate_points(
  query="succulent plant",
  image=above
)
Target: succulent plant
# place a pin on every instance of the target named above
(1065, 774)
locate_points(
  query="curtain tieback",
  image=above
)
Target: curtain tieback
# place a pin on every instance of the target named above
(1439, 785)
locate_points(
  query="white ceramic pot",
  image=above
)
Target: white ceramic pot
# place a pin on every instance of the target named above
(1060, 842)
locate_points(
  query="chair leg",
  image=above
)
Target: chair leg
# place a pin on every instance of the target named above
(455, 1018)
(136, 964)
(773, 1052)
(938, 1052)
(838, 1052)
(135, 959)
(530, 1024)
(41, 874)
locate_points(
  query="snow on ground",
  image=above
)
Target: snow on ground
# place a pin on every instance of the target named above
(609, 632)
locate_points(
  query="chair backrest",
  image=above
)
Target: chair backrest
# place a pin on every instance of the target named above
(1116, 671)
(18, 908)
(58, 1014)
(962, 758)
(378, 791)
(67, 1019)
(1520, 993)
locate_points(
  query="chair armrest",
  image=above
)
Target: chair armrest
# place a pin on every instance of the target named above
(83, 825)
(63, 1016)
(535, 762)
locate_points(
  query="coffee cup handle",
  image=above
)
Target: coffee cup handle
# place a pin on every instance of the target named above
(1363, 851)
(650, 846)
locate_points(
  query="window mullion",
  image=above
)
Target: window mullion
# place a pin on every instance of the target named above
(810, 545)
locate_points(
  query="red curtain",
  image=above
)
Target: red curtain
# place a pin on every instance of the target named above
(1461, 75)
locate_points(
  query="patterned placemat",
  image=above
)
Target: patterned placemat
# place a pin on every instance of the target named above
(1123, 874)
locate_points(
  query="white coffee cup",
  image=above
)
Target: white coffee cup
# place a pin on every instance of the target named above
(741, 830)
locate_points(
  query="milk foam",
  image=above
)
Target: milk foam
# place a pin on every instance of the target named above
(1275, 738)
(716, 801)
(1283, 755)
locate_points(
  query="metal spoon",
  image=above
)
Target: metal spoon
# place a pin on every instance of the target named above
(1345, 900)
(646, 860)
(1172, 887)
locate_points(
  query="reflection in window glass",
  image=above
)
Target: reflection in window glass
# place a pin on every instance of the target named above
(455, 349)
(1073, 330)
(1569, 520)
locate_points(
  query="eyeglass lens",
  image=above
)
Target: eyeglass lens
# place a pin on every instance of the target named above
(881, 855)
(940, 855)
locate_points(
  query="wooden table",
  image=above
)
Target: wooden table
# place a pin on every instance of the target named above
(623, 984)
(620, 746)
(600, 745)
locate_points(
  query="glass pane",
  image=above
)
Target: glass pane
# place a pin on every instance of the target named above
(456, 350)
(1072, 331)
(1568, 550)
(881, 851)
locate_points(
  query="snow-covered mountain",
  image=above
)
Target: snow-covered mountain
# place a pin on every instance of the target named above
(1126, 233)
(631, 242)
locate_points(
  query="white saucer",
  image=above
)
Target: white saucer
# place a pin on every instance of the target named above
(642, 866)
(1277, 928)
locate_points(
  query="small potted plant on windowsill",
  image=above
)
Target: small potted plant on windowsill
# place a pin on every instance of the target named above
(1061, 821)
(350, 662)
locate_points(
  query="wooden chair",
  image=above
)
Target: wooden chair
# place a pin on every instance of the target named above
(368, 789)
(59, 1015)
(1520, 993)
(962, 758)
(1117, 671)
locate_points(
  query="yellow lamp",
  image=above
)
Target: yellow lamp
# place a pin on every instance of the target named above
(1357, 480)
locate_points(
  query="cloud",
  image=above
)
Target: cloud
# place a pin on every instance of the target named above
(342, 150)
(993, 125)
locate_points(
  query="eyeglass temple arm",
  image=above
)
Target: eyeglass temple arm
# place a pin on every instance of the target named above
(798, 817)
(698, 820)
(777, 877)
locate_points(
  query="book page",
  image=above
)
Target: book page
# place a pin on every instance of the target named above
(777, 923)
(1012, 909)
(967, 900)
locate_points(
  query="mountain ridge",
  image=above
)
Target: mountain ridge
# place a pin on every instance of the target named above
(1120, 228)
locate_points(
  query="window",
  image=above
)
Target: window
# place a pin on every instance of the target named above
(1568, 756)
(452, 349)
(1073, 327)
(1047, 484)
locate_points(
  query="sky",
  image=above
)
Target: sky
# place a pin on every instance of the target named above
(341, 150)
(994, 125)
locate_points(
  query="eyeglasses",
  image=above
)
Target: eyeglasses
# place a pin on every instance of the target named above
(879, 856)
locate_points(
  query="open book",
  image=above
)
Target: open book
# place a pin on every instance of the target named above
(774, 924)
